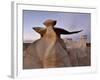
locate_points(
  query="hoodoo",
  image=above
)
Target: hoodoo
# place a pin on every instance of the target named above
(50, 50)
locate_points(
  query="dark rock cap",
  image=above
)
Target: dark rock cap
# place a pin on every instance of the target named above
(50, 22)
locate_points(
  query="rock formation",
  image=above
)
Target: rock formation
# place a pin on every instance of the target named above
(79, 51)
(50, 50)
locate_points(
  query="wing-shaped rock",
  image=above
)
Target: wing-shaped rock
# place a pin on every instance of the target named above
(48, 51)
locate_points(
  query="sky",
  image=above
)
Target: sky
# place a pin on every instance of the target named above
(70, 21)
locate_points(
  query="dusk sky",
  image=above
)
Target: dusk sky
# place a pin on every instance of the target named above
(70, 21)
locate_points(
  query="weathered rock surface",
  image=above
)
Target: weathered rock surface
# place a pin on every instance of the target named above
(50, 50)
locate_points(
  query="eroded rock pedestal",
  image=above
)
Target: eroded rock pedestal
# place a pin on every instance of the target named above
(49, 51)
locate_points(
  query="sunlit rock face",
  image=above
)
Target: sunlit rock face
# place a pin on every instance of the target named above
(49, 51)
